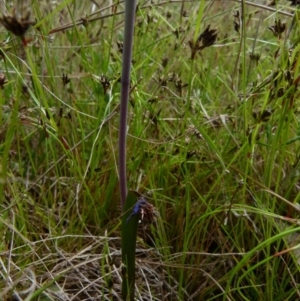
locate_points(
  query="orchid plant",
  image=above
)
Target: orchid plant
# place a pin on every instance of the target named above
(133, 205)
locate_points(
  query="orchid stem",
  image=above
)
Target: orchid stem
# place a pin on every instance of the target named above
(130, 6)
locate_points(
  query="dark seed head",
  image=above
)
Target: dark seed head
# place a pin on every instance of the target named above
(3, 80)
(18, 26)
(207, 38)
(294, 2)
(278, 28)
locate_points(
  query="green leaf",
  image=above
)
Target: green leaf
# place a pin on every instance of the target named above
(129, 234)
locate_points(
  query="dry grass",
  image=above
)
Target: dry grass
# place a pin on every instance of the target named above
(93, 273)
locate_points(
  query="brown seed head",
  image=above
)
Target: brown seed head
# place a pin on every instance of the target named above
(294, 2)
(120, 46)
(105, 82)
(3, 80)
(278, 28)
(207, 38)
(255, 56)
(15, 25)
(65, 79)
